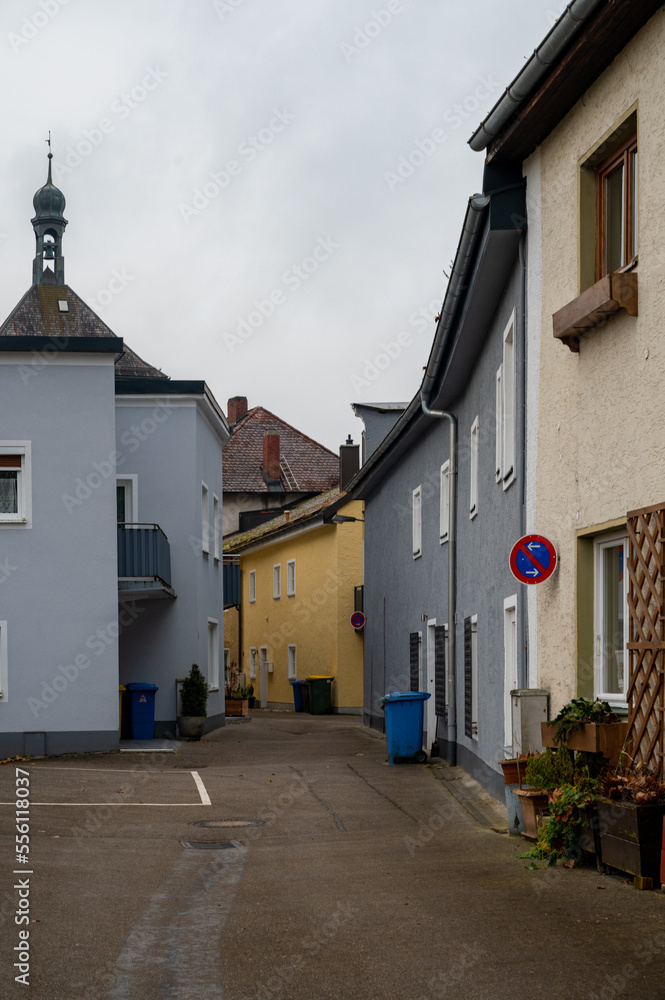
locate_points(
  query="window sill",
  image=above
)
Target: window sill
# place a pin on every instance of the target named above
(594, 306)
(212, 690)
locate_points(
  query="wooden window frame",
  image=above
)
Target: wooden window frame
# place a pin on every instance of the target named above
(623, 156)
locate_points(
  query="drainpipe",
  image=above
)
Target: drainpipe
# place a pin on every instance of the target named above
(452, 573)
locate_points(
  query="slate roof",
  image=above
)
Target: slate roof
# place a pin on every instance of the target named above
(312, 467)
(308, 510)
(38, 314)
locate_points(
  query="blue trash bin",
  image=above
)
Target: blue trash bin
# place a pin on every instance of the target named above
(141, 711)
(404, 725)
(299, 691)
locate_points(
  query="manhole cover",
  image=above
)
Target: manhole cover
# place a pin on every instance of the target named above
(222, 824)
(224, 846)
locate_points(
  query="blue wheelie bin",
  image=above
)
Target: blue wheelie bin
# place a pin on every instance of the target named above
(141, 711)
(300, 692)
(404, 725)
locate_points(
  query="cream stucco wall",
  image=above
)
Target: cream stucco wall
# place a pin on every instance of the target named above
(601, 446)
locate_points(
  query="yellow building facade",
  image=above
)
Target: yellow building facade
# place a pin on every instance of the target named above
(299, 576)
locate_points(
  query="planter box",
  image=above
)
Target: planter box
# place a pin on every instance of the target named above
(513, 770)
(631, 836)
(235, 707)
(534, 801)
(607, 738)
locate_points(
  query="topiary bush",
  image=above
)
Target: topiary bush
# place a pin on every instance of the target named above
(194, 694)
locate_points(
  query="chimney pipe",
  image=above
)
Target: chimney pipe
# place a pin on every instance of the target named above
(349, 462)
(271, 457)
(236, 408)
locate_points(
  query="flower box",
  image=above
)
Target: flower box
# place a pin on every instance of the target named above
(534, 802)
(513, 770)
(236, 706)
(607, 738)
(631, 836)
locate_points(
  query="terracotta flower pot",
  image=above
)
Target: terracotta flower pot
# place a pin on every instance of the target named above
(534, 801)
(513, 770)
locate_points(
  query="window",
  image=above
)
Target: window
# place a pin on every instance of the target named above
(213, 654)
(444, 507)
(215, 526)
(3, 663)
(205, 519)
(277, 581)
(417, 522)
(415, 661)
(227, 666)
(616, 241)
(127, 499)
(252, 586)
(611, 619)
(291, 664)
(441, 694)
(508, 405)
(15, 503)
(473, 475)
(252, 663)
(510, 668)
(498, 445)
(291, 578)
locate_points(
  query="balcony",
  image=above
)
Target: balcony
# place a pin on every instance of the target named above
(144, 562)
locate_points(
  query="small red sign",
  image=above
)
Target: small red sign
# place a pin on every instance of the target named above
(533, 559)
(358, 620)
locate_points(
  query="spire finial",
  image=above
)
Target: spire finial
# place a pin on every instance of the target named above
(50, 157)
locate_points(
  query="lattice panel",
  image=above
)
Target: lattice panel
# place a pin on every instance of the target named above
(646, 646)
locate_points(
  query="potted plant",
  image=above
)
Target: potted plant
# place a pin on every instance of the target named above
(543, 773)
(514, 768)
(570, 809)
(630, 819)
(194, 704)
(236, 702)
(587, 726)
(251, 700)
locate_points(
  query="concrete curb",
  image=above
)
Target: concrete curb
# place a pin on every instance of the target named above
(471, 794)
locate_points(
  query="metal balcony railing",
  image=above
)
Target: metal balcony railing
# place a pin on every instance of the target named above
(144, 553)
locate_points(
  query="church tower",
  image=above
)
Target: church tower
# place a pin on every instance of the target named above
(49, 225)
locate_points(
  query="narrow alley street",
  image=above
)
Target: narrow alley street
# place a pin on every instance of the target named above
(323, 872)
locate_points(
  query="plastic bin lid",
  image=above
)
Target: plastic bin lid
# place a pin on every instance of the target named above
(406, 696)
(122, 688)
(297, 682)
(321, 677)
(140, 686)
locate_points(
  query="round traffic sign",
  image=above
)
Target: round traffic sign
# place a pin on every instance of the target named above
(358, 620)
(533, 559)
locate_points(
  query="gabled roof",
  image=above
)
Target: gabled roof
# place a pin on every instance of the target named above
(318, 507)
(307, 466)
(39, 314)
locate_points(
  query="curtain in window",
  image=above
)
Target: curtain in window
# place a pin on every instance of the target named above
(8, 493)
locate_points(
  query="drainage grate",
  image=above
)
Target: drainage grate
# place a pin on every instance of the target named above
(222, 824)
(224, 846)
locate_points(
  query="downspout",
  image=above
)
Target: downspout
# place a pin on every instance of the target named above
(451, 694)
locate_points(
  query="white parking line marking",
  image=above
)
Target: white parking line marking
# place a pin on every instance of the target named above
(85, 805)
(205, 798)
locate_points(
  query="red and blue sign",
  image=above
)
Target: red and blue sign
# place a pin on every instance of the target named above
(533, 559)
(358, 620)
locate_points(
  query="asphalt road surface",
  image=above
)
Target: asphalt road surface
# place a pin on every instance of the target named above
(285, 859)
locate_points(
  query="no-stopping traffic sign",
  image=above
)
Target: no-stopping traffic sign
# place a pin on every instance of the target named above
(533, 559)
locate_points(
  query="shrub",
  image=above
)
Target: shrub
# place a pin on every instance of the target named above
(194, 693)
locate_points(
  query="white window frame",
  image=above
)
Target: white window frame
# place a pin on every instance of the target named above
(498, 447)
(508, 405)
(277, 582)
(473, 469)
(205, 519)
(252, 663)
(444, 503)
(616, 700)
(474, 677)
(131, 486)
(252, 586)
(292, 662)
(215, 526)
(23, 516)
(291, 578)
(4, 668)
(510, 668)
(213, 654)
(417, 522)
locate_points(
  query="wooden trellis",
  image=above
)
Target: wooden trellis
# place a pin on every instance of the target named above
(646, 645)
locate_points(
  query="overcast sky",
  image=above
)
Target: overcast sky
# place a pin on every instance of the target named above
(261, 193)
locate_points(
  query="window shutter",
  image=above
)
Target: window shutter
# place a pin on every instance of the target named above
(468, 693)
(440, 670)
(414, 644)
(10, 461)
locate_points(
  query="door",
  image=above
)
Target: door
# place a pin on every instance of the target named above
(263, 675)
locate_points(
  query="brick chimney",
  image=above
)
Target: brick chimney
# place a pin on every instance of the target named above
(271, 457)
(349, 462)
(236, 408)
